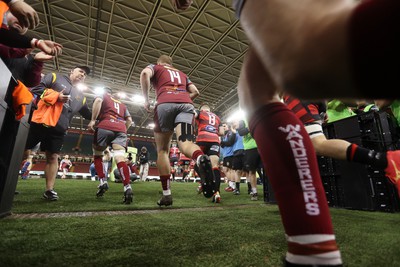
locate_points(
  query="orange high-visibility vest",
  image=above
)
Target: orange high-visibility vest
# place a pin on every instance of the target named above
(49, 109)
(3, 10)
(21, 97)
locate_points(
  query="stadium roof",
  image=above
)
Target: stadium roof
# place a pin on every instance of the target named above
(118, 38)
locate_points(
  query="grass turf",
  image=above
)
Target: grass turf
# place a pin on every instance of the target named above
(193, 232)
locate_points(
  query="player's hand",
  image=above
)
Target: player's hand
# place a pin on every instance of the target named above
(91, 125)
(49, 47)
(26, 15)
(147, 106)
(42, 56)
(63, 98)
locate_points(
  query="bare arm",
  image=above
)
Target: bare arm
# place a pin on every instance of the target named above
(128, 122)
(95, 112)
(196, 113)
(230, 140)
(193, 91)
(221, 131)
(145, 84)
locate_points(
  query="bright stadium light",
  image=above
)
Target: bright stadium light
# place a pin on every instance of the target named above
(137, 99)
(81, 86)
(151, 125)
(99, 91)
(237, 115)
(121, 95)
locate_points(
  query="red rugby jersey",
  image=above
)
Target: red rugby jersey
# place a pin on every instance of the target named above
(112, 114)
(170, 84)
(174, 152)
(207, 127)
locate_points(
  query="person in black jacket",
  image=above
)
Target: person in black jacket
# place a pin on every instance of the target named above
(52, 138)
(144, 163)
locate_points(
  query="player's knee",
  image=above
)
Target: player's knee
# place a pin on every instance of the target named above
(119, 155)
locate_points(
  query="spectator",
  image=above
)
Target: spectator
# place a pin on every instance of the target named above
(193, 174)
(238, 157)
(392, 106)
(26, 68)
(59, 101)
(65, 166)
(92, 171)
(227, 141)
(27, 18)
(144, 163)
(27, 163)
(338, 109)
(184, 162)
(252, 159)
(363, 105)
(174, 153)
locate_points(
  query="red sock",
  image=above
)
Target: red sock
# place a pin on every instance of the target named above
(124, 171)
(165, 181)
(196, 154)
(98, 165)
(291, 164)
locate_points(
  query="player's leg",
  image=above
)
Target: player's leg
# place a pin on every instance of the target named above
(118, 145)
(291, 165)
(214, 157)
(51, 144)
(163, 141)
(100, 143)
(185, 136)
(303, 43)
(145, 171)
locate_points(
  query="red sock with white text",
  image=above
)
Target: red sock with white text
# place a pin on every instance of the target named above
(124, 171)
(291, 165)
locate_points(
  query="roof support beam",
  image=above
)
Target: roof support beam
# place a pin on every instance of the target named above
(96, 38)
(190, 27)
(145, 34)
(50, 32)
(107, 37)
(89, 30)
(211, 49)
